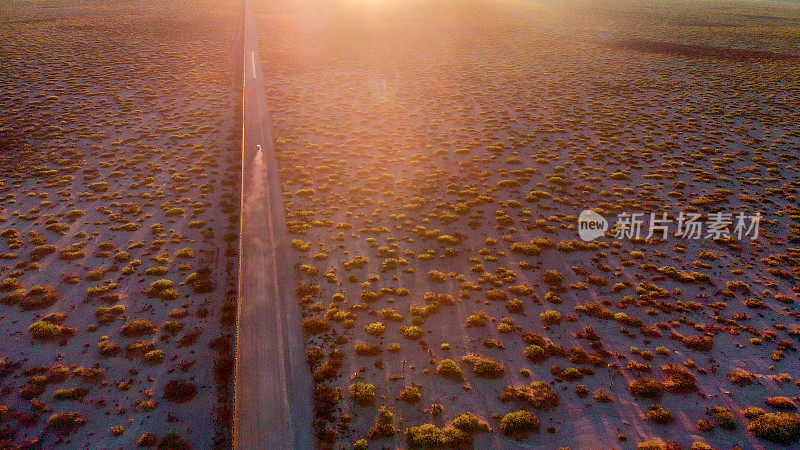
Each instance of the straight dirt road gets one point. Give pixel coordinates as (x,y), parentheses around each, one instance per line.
(273,405)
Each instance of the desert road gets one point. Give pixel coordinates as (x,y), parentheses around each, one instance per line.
(273,401)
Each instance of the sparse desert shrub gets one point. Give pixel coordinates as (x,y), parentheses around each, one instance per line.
(154,356)
(485,367)
(752,412)
(437,276)
(163,289)
(660,415)
(470,423)
(479,319)
(108,349)
(106,315)
(185,252)
(529,249)
(75,393)
(515,306)
(781,403)
(10,284)
(679,378)
(431,436)
(179,391)
(157,271)
(172,326)
(410,394)
(741,377)
(138,328)
(200,281)
(375,329)
(450,369)
(535,353)
(300,245)
(552,277)
(40,297)
(66,421)
(75,214)
(725,417)
(411,333)
(40,251)
(122,256)
(699,343)
(569,374)
(537,395)
(602,396)
(783,428)
(46,331)
(705,425)
(148,440)
(383,426)
(519,424)
(174,441)
(631,321)
(497,295)
(315,325)
(657,444)
(550,317)
(646,388)
(363,393)
(364,349)
(174,212)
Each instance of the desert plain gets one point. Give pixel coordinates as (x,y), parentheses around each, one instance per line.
(433,158)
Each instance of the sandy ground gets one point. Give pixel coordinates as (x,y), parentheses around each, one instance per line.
(410,137)
(118,154)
